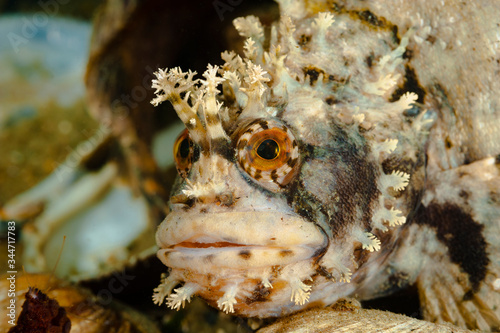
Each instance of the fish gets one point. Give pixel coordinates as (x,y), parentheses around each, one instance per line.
(341,155)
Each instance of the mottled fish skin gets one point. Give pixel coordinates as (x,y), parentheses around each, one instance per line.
(323,166)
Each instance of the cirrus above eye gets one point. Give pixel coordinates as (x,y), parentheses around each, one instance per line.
(183,153)
(268,152)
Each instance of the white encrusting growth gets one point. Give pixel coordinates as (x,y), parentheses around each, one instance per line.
(262,275)
(332,262)
(287,29)
(295,275)
(392,216)
(386,77)
(210,104)
(178,299)
(210,183)
(170,85)
(266,283)
(372,243)
(384,85)
(387,146)
(228,300)
(197,189)
(165,288)
(368,240)
(300,291)
(359,118)
(403,103)
(171,82)
(398,180)
(255,81)
(249,27)
(321,24)
(345,275)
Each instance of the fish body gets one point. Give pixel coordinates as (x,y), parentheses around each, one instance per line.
(317,166)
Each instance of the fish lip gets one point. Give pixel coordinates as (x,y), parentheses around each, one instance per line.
(201,241)
(239,229)
(203,244)
(245,257)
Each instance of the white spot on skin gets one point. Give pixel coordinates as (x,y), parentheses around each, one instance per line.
(496,284)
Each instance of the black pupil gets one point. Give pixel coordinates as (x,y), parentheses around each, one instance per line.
(184,148)
(268,149)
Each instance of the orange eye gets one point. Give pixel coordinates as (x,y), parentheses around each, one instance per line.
(268,152)
(183,153)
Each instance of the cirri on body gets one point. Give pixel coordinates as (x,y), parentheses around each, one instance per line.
(350,151)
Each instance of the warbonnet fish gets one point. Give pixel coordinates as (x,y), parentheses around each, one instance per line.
(311,170)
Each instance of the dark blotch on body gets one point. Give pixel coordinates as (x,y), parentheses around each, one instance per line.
(304,40)
(372,19)
(223,147)
(369,60)
(245,254)
(462,235)
(367,17)
(303,202)
(313,73)
(259,294)
(354,177)
(410,84)
(331,100)
(274,175)
(291,162)
(448,142)
(463,194)
(174,99)
(264,124)
(188,203)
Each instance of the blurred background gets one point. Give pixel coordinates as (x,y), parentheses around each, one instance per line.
(86,161)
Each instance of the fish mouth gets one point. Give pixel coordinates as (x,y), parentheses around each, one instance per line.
(237,240)
(202,245)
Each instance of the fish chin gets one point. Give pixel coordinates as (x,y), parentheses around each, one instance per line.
(265,291)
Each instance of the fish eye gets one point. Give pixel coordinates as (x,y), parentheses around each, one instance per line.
(268,149)
(183,153)
(268,152)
